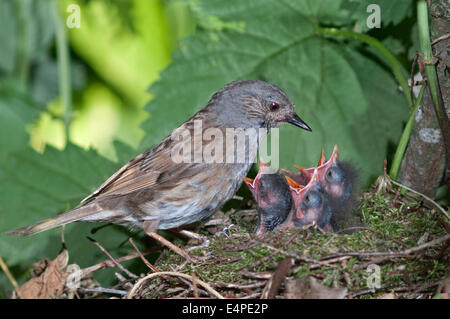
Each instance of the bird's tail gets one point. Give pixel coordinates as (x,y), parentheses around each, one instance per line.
(76,214)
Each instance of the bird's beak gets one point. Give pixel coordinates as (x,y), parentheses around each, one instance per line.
(335,156)
(297,121)
(293,184)
(248,181)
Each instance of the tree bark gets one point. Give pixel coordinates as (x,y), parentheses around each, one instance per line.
(424,161)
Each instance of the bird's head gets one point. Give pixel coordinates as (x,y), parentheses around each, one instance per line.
(311,202)
(259,103)
(273,198)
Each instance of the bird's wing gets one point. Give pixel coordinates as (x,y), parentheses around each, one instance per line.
(153,168)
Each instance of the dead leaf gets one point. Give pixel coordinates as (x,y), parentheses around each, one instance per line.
(50,280)
(310,288)
(445,292)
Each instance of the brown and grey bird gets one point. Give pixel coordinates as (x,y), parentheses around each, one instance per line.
(273,198)
(156,190)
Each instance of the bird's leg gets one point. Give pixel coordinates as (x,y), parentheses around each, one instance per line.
(170,245)
(150,231)
(203,239)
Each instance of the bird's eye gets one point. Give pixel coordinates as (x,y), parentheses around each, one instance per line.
(307,199)
(274,107)
(334,175)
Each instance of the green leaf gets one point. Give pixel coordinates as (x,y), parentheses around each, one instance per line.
(36,186)
(333,91)
(16,112)
(8,36)
(391,11)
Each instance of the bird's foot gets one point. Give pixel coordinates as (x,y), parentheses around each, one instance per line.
(204,240)
(225,231)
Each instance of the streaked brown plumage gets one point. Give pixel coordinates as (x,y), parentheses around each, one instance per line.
(154,192)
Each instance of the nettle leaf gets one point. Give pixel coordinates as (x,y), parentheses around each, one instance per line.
(36,186)
(390,11)
(344,96)
(16,112)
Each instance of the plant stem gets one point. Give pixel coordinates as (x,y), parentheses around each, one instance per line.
(62,49)
(23,50)
(430,70)
(401,148)
(395,64)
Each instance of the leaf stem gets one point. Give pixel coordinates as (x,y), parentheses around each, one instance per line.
(395,64)
(23,50)
(401,148)
(62,49)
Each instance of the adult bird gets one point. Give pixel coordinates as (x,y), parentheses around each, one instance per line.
(161,189)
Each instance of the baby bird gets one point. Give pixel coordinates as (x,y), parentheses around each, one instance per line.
(337,179)
(273,198)
(311,202)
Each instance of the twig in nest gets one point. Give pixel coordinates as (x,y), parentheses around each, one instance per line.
(237,286)
(424,196)
(149,265)
(374,230)
(274,283)
(123,281)
(108,263)
(393,254)
(104,290)
(329,262)
(297,256)
(347,277)
(194,284)
(444,224)
(129,273)
(256,275)
(141,281)
(444,37)
(252,296)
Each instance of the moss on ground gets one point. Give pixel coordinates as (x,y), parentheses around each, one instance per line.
(391,222)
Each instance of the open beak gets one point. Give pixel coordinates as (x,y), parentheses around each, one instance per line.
(248,181)
(300,213)
(264,168)
(335,156)
(322,165)
(297,121)
(323,158)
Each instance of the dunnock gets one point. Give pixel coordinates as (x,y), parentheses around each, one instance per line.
(153,191)
(272,196)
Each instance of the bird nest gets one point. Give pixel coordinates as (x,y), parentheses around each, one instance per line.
(399,250)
